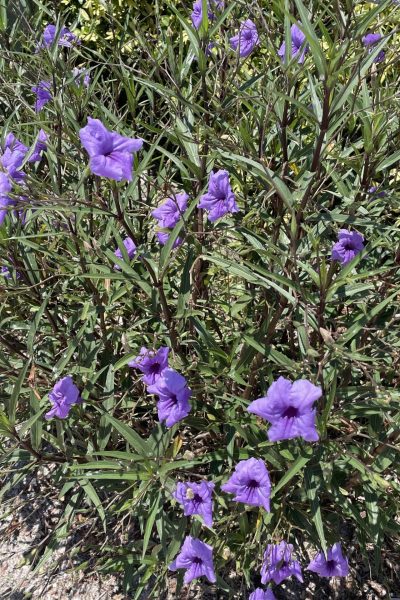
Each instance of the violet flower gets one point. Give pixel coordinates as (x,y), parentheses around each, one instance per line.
(151,363)
(130,248)
(163,238)
(14,144)
(63,395)
(196,499)
(168,215)
(298,39)
(5,200)
(278,564)
(174,394)
(219,200)
(260,594)
(334,565)
(43,95)
(40,146)
(111,154)
(370,40)
(289,408)
(65,37)
(374,191)
(349,244)
(171,211)
(246,40)
(81,76)
(250,483)
(197,13)
(5,272)
(196,557)
(11,161)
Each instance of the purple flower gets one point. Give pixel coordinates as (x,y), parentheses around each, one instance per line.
(65,37)
(278,564)
(40,147)
(349,244)
(219,199)
(369,41)
(5,200)
(151,363)
(14,144)
(81,76)
(111,154)
(130,247)
(63,395)
(196,499)
(246,40)
(168,215)
(260,594)
(196,557)
(289,408)
(374,191)
(43,95)
(11,161)
(170,212)
(334,565)
(163,238)
(174,394)
(298,39)
(5,272)
(197,14)
(250,483)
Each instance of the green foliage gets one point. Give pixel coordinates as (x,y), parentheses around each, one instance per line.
(241,302)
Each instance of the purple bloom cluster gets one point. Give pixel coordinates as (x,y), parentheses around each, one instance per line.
(166,383)
(278,564)
(63,395)
(12,157)
(169,214)
(349,244)
(289,407)
(219,200)
(111,154)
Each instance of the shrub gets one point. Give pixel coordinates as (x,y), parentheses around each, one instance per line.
(284,281)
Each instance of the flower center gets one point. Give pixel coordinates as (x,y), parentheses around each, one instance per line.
(253,484)
(155,368)
(173,399)
(331,564)
(197,560)
(290,412)
(348,245)
(197,498)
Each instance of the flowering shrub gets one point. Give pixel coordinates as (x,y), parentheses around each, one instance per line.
(200,258)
